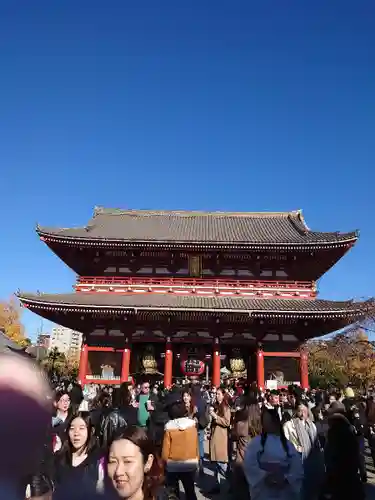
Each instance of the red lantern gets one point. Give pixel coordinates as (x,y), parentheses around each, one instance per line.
(191,364)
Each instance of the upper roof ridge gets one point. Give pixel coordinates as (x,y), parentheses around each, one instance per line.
(263,230)
(98,210)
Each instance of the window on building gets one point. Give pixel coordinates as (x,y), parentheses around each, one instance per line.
(228,272)
(145,270)
(162,270)
(280,273)
(124,270)
(244,272)
(110,269)
(266,273)
(183,271)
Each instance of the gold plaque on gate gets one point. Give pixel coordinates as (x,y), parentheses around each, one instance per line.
(195,266)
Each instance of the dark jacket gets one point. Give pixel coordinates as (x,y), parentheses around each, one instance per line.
(98,415)
(76,397)
(118,418)
(158,418)
(85,475)
(342,458)
(202,415)
(44,469)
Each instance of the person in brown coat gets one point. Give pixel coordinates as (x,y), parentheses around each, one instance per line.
(220,424)
(247,424)
(180,450)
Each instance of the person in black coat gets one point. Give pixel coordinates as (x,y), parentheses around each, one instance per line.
(159,417)
(342,458)
(358,421)
(76,396)
(101,407)
(122,415)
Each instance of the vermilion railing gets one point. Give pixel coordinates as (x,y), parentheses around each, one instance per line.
(194,282)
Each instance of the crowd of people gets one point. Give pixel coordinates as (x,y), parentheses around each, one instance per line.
(140,442)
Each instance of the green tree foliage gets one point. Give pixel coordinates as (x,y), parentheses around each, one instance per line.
(59,364)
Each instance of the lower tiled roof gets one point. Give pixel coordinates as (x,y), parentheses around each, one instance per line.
(8,346)
(148,301)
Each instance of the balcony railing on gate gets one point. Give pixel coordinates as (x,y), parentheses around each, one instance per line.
(195,285)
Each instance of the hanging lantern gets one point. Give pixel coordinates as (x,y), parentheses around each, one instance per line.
(149,362)
(237,364)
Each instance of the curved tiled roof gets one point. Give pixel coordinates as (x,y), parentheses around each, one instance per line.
(188,227)
(8,346)
(156,302)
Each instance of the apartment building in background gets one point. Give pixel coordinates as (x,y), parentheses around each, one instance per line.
(43,340)
(65,340)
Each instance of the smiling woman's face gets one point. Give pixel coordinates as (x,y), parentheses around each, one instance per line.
(126,468)
(186,398)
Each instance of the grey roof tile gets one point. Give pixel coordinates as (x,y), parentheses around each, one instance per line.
(189,302)
(8,346)
(198,227)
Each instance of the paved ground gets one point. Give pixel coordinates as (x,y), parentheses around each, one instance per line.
(207,481)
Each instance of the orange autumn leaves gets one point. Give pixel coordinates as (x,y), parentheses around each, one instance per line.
(347,358)
(10,321)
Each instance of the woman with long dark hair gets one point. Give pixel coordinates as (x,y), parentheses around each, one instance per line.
(342,458)
(80,460)
(247,425)
(133,469)
(272,464)
(221,417)
(100,408)
(189,403)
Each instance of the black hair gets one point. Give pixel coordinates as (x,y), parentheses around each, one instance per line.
(121,396)
(101,400)
(273,414)
(140,438)
(66,452)
(177,410)
(250,396)
(57,396)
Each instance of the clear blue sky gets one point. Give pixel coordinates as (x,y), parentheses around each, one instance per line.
(196,104)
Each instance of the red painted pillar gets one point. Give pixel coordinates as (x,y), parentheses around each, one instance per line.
(168,364)
(260,369)
(125,365)
(83,360)
(216,364)
(304,370)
